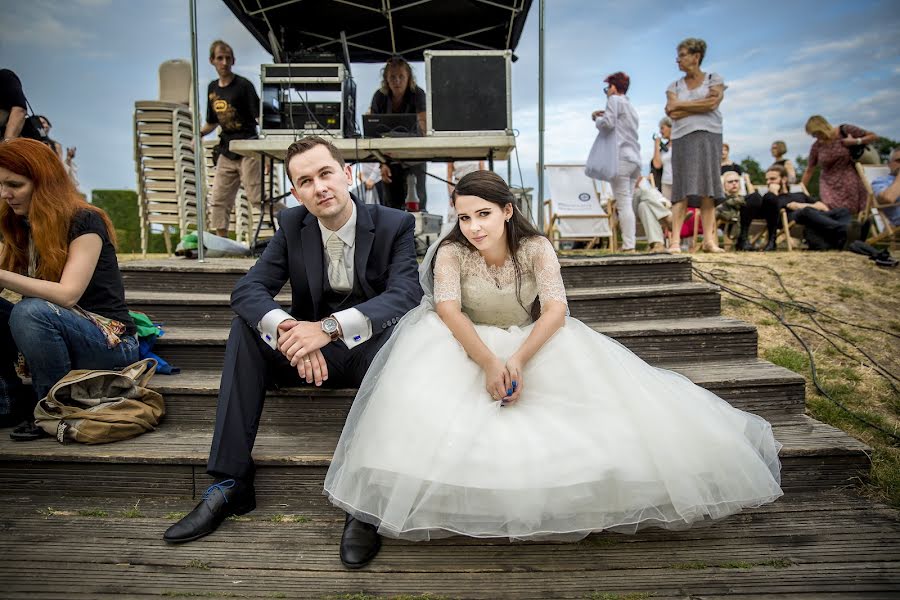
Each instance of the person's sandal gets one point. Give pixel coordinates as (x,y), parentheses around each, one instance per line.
(27,431)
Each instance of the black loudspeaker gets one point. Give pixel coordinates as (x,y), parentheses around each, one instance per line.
(468,92)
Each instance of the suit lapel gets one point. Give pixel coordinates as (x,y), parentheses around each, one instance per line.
(313,258)
(365,236)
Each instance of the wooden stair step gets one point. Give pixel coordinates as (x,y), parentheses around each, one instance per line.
(605,304)
(831,544)
(171,461)
(220,274)
(701,339)
(754,385)
(648,301)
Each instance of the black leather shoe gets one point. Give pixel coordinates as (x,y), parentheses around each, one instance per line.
(770,244)
(27,431)
(744,245)
(221,500)
(359,544)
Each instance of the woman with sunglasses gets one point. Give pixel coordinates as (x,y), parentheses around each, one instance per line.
(621,117)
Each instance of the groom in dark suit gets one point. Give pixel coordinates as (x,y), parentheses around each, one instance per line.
(353,275)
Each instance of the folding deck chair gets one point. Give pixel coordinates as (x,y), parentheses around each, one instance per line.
(882,231)
(580,208)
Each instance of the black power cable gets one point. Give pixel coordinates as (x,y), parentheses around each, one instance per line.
(716,276)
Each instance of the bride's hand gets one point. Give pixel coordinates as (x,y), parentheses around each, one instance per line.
(496,379)
(514,368)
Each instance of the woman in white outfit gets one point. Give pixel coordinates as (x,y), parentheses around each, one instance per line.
(518,421)
(621,116)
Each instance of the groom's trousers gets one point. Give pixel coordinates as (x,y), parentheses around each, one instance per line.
(250,368)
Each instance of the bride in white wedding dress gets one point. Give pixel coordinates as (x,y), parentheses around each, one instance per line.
(477,420)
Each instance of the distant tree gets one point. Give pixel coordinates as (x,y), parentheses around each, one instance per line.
(752,168)
(884,146)
(813,186)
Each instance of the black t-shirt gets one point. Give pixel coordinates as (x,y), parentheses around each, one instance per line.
(105,294)
(11,95)
(413,102)
(732,167)
(235,109)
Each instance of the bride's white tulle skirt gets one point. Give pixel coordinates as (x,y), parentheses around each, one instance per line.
(599,440)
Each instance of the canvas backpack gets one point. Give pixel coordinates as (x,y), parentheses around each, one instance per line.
(96,407)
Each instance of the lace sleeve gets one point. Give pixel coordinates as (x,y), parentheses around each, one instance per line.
(546,271)
(447,273)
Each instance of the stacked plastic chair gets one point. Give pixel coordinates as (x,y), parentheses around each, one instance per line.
(166,175)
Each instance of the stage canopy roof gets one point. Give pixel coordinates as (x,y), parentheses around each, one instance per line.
(375,30)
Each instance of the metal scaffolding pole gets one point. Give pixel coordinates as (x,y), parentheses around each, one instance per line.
(200,182)
(540,194)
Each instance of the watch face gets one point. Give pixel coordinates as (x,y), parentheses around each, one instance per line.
(329,325)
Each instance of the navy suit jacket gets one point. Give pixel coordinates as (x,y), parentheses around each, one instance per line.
(384,266)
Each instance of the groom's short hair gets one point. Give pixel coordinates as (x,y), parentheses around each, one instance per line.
(308,143)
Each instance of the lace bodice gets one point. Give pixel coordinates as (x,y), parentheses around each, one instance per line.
(488,294)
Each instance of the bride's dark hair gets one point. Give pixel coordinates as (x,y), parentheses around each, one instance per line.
(489,186)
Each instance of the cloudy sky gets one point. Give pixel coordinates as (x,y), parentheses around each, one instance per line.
(85,62)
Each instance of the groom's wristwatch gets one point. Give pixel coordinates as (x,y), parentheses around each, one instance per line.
(331,326)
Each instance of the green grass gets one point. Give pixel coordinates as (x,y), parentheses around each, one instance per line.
(613,596)
(175,515)
(845,292)
(239,519)
(92,512)
(279,518)
(688,566)
(362,596)
(787,357)
(176,594)
(197,564)
(594,540)
(133,512)
(777,563)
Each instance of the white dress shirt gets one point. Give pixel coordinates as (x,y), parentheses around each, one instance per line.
(356,328)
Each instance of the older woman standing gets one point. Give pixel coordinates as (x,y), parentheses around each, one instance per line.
(839,184)
(621,116)
(693,105)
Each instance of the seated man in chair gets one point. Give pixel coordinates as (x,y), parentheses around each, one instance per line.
(768,205)
(732,208)
(825,228)
(887,188)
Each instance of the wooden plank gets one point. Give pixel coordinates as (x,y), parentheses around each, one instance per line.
(121,579)
(672,341)
(814,456)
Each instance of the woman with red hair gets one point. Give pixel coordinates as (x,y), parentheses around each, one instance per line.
(59,254)
(621,117)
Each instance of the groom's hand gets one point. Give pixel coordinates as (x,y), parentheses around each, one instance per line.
(312,368)
(296,339)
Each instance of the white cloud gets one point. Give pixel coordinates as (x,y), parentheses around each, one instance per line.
(44,31)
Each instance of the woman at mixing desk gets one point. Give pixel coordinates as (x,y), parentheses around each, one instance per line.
(400,94)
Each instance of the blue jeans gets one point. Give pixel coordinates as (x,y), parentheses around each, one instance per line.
(53,340)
